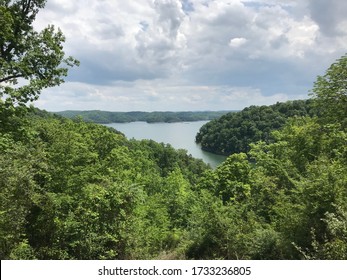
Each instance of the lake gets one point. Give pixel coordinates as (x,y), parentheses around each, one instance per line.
(180,135)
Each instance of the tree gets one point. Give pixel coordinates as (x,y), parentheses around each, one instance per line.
(29,60)
(235,131)
(330,92)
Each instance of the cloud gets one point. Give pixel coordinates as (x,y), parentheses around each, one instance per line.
(157,95)
(237,42)
(330,16)
(172,54)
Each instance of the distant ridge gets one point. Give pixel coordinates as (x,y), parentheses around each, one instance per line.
(104,117)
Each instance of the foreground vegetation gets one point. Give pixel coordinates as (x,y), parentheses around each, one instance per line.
(149,117)
(76,190)
(72,190)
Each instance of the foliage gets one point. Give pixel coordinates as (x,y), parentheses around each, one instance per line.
(294,186)
(29,60)
(234,132)
(289,192)
(83,191)
(330,92)
(150,117)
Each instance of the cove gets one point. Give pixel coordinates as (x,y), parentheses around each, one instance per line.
(180,135)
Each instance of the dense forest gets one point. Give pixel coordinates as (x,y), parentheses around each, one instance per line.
(149,117)
(234,132)
(76,190)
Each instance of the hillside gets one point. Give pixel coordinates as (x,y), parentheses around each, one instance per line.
(234,132)
(83,191)
(80,190)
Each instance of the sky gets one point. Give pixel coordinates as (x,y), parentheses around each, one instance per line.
(192,55)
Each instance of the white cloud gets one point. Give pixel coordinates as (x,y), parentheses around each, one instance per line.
(192,54)
(237,42)
(157,95)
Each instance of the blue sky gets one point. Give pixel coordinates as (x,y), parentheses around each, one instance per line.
(178,55)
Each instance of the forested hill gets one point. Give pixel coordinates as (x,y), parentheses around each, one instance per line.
(233,132)
(77,190)
(150,117)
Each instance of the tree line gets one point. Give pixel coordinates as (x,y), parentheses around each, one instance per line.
(135,116)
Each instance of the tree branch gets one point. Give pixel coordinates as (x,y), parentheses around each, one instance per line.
(26,7)
(11,77)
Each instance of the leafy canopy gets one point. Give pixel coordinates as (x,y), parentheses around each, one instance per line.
(29,60)
(330,92)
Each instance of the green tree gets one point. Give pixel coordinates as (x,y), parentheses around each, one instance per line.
(20,166)
(234,132)
(29,60)
(233,178)
(330,92)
